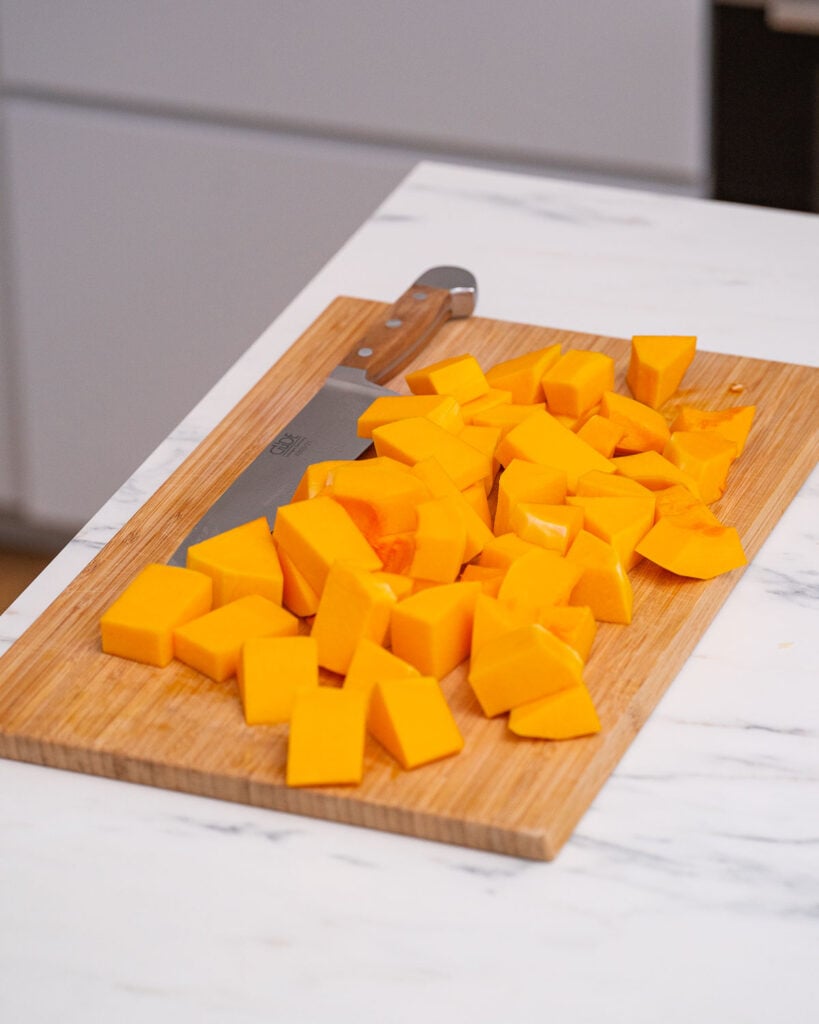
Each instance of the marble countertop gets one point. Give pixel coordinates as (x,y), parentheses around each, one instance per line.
(690,889)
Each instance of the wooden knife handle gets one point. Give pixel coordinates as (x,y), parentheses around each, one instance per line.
(408,326)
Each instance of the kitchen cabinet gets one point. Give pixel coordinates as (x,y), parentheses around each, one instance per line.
(173,173)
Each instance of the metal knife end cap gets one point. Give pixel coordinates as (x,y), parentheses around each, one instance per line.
(460,283)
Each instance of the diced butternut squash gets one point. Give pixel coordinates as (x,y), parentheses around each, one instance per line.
(212,643)
(674,500)
(489,578)
(501,552)
(654,471)
(441,485)
(459,376)
(328,728)
(621,522)
(271,672)
(485,402)
(644,429)
(440,540)
(396,551)
(560,716)
(577,381)
(411,719)
(412,440)
(441,409)
(317,532)
(432,630)
(685,545)
(543,440)
(493,618)
(523,375)
(549,526)
(537,580)
(657,366)
(732,424)
(506,417)
(240,561)
(315,478)
(604,585)
(139,624)
(398,583)
(521,666)
(527,481)
(601,433)
(476,497)
(371,663)
(704,455)
(612,485)
(486,440)
(298,596)
(353,605)
(380,495)
(574,625)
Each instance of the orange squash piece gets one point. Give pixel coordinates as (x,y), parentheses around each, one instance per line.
(612,485)
(503,550)
(328,729)
(298,596)
(353,605)
(271,672)
(687,546)
(380,495)
(733,424)
(213,643)
(482,404)
(240,561)
(577,381)
(654,471)
(601,433)
(560,716)
(441,485)
(371,663)
(139,624)
(523,375)
(537,580)
(674,500)
(396,551)
(521,666)
(459,376)
(441,409)
(440,541)
(549,526)
(315,478)
(415,439)
(527,481)
(604,585)
(411,719)
(644,429)
(621,522)
(432,630)
(657,366)
(492,618)
(543,440)
(505,417)
(704,455)
(489,578)
(317,532)
(575,625)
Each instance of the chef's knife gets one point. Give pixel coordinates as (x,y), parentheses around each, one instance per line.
(326,427)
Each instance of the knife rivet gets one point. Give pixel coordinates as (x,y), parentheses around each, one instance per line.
(365,353)
(420,296)
(394,322)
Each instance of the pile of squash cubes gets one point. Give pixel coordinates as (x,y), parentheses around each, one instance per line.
(497,522)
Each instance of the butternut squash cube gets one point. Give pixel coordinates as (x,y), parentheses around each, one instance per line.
(732,424)
(315,478)
(521,666)
(213,643)
(577,381)
(328,729)
(621,522)
(524,481)
(601,433)
(657,366)
(687,546)
(298,596)
(612,485)
(485,402)
(353,605)
(505,417)
(523,375)
(380,495)
(371,663)
(440,541)
(441,485)
(398,583)
(644,429)
(549,526)
(489,578)
(414,439)
(543,440)
(560,716)
(441,409)
(493,618)
(396,551)
(459,376)
(575,625)
(139,624)
(704,455)
(677,499)
(537,580)
(411,719)
(486,440)
(476,497)
(240,561)
(317,532)
(501,552)
(654,471)
(604,585)
(272,671)
(432,630)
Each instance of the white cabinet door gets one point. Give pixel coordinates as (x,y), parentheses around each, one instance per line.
(147,255)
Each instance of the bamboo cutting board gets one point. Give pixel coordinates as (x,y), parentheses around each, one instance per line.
(63,703)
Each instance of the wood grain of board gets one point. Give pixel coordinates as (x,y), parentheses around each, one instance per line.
(63,703)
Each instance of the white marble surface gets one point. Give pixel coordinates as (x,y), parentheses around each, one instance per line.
(690,890)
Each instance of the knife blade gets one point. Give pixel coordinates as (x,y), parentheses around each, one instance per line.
(326,427)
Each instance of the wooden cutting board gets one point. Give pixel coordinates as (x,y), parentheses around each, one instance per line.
(64,703)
